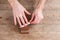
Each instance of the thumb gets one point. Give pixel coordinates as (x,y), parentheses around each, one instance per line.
(32,18)
(27,12)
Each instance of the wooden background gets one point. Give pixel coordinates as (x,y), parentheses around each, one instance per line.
(48,29)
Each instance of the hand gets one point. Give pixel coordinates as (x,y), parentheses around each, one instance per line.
(37,16)
(19,15)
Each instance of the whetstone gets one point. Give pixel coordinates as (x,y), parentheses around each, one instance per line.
(24,30)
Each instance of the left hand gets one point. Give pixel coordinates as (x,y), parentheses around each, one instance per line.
(37,16)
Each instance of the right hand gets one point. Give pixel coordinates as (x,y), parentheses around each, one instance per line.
(37,16)
(19,15)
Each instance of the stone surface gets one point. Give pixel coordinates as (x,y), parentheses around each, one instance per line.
(48,29)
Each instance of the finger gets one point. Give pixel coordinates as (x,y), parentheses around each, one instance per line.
(22,20)
(26,19)
(32,18)
(20,23)
(27,12)
(35,21)
(15,21)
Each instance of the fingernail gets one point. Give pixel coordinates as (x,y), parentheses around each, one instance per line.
(22,26)
(27,24)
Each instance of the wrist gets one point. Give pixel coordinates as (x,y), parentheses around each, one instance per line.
(39,7)
(12,2)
